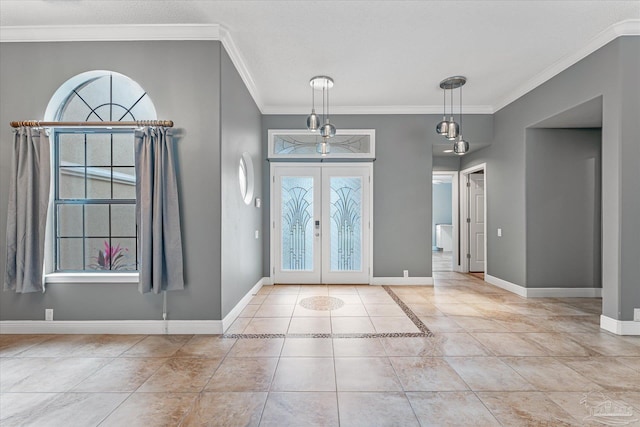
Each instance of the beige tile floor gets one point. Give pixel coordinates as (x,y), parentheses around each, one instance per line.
(495,359)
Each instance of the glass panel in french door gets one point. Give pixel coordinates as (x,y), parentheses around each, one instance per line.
(297,223)
(346,223)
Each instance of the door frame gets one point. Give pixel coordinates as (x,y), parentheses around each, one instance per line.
(464,213)
(455,218)
(273,245)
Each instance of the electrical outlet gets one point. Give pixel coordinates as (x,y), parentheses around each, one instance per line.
(636,314)
(405,273)
(48,314)
(499,232)
(257,234)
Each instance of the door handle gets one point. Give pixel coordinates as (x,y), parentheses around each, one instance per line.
(317,223)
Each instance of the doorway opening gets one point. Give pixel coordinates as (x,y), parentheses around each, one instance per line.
(444,221)
(473,206)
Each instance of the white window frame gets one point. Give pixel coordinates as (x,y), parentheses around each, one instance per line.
(51,114)
(50,275)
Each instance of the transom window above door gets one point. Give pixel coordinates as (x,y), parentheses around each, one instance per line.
(301,144)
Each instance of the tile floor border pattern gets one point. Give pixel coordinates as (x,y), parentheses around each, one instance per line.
(410,314)
(424,331)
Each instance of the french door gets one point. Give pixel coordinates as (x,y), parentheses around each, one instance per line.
(321,223)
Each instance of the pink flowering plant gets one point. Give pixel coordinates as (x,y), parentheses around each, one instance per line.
(111,258)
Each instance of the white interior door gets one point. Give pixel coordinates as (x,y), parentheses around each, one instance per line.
(476,222)
(321,223)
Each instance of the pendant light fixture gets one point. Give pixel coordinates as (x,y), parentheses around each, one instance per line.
(313,121)
(450,129)
(460,147)
(323,148)
(443,127)
(327,129)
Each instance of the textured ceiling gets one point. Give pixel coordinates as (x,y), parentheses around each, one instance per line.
(384,56)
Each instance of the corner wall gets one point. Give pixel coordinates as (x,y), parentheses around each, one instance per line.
(611,72)
(240,132)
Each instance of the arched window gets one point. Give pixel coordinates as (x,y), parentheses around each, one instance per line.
(94,182)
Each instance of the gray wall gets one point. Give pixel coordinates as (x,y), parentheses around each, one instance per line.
(442,195)
(563,199)
(401,184)
(446,163)
(241,132)
(610,72)
(183,80)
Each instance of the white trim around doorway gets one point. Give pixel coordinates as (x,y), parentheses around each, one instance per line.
(464,195)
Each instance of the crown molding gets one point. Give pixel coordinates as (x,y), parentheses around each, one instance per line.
(381,109)
(630,27)
(60,33)
(241,66)
(64,33)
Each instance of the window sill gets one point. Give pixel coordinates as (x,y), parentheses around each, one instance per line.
(91,278)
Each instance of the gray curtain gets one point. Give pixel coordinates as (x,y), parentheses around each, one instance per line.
(27,212)
(157,213)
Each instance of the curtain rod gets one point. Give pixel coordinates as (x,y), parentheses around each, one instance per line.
(137,123)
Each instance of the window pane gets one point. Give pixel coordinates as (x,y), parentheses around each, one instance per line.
(119,255)
(70,254)
(98,183)
(75,109)
(97,253)
(99,149)
(124,183)
(123,149)
(123,220)
(96,220)
(297,224)
(125,254)
(71,149)
(69,220)
(71,183)
(346,224)
(93,93)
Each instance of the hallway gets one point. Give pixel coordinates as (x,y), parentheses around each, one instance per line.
(359,357)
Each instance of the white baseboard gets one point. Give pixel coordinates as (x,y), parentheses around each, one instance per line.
(619,327)
(564,292)
(543,292)
(402,281)
(235,312)
(145,327)
(507,286)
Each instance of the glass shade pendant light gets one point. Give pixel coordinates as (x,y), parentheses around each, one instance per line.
(323,148)
(327,129)
(450,129)
(460,147)
(313,121)
(443,127)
